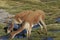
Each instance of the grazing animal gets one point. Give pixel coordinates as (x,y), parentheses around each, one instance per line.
(28,19)
(17,19)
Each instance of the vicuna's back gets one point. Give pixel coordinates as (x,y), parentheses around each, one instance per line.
(35,16)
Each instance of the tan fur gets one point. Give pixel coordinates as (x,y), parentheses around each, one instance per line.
(22,15)
(18,18)
(30,18)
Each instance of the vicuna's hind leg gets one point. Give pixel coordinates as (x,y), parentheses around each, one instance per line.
(44,25)
(41,28)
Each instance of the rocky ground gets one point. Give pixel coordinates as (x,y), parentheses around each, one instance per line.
(3,15)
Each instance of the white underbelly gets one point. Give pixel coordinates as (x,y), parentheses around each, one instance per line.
(27,26)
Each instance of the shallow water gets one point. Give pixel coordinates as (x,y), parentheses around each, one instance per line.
(48,38)
(58,19)
(6,37)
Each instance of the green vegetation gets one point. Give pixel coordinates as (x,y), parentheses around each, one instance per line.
(51,8)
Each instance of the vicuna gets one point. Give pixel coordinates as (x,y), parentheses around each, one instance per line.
(28,18)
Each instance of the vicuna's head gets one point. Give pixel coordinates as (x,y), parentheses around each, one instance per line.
(8,19)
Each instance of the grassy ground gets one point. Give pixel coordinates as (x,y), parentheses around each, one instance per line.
(36,36)
(51,8)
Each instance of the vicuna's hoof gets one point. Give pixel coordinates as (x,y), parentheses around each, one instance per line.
(8,31)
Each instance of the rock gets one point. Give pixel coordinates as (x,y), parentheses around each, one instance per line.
(58,20)
(3,15)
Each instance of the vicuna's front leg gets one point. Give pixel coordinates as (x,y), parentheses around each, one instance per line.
(28,28)
(24,26)
(13,33)
(29,33)
(10,28)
